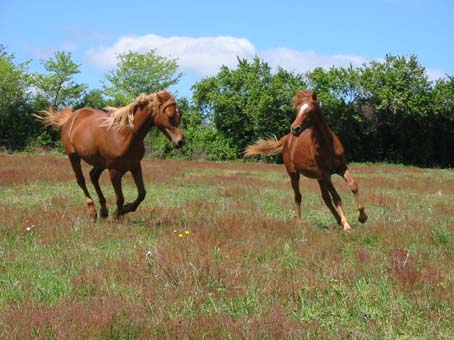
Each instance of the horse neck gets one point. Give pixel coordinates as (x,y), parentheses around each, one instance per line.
(142,124)
(322,131)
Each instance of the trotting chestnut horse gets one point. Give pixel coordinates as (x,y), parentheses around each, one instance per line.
(313,150)
(113,140)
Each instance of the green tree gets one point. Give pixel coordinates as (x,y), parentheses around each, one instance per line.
(248,102)
(93,98)
(138,73)
(16,124)
(204,140)
(443,98)
(398,86)
(58,86)
(381,111)
(443,121)
(399,94)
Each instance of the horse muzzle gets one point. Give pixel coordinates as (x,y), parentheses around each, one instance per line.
(178,144)
(296,130)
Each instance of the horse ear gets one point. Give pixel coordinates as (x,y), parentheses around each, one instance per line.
(314,96)
(297,99)
(162,95)
(142,101)
(159,96)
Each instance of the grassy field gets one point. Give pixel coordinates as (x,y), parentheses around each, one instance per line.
(214,253)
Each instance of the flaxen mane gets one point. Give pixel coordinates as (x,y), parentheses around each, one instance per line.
(124,116)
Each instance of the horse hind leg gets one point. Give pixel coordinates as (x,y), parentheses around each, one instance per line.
(338,203)
(138,180)
(75,163)
(328,200)
(95,173)
(115,178)
(354,189)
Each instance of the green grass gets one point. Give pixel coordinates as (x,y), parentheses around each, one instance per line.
(246,270)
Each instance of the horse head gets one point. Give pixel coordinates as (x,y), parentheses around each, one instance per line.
(307,107)
(168,120)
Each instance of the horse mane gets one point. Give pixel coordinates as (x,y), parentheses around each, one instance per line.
(303,96)
(124,116)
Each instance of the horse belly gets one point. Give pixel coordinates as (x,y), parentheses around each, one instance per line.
(85,146)
(311,172)
(91,157)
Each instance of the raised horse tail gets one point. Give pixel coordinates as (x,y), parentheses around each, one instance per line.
(53,118)
(271,146)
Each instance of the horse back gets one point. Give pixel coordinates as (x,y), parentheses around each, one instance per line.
(81,130)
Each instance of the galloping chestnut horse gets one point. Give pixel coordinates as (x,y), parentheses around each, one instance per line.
(113,140)
(313,150)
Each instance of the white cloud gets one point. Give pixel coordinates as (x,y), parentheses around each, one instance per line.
(302,61)
(202,55)
(435,74)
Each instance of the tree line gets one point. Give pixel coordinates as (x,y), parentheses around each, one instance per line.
(385,110)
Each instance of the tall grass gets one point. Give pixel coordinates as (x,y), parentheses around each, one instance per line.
(214,253)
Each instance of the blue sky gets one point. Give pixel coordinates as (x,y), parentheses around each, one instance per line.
(297,35)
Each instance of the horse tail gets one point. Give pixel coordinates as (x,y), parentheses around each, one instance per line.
(53,118)
(271,146)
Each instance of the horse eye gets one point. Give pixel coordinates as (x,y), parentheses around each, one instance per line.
(172,120)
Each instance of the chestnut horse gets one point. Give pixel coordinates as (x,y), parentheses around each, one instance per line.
(313,150)
(113,140)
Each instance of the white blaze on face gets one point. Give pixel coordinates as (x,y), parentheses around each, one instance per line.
(302,108)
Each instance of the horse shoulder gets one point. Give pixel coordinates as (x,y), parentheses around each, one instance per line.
(337,145)
(302,154)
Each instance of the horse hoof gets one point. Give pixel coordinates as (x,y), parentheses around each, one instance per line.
(347,227)
(362,218)
(129,207)
(103,212)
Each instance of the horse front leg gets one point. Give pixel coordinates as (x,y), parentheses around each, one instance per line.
(115,178)
(354,189)
(75,163)
(138,180)
(295,182)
